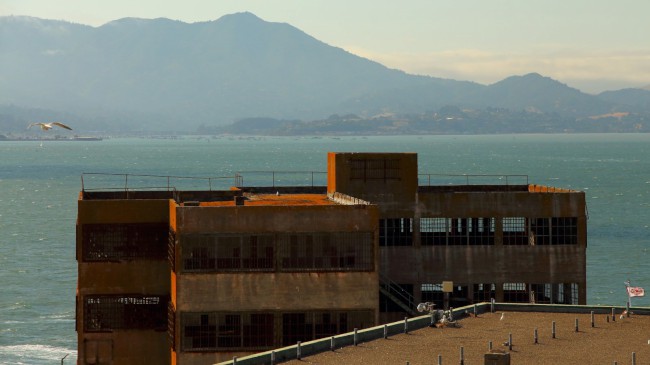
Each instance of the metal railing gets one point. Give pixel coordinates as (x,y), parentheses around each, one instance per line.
(471,179)
(286,178)
(132,182)
(395,290)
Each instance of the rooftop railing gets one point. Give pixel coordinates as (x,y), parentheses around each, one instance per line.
(471,179)
(98,181)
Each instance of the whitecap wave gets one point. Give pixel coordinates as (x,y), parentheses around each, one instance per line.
(31,353)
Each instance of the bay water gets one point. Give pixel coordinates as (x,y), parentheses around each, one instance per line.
(40,183)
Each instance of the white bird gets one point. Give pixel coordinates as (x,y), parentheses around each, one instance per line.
(502,315)
(48,126)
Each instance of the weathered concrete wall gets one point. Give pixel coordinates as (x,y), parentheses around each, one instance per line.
(149,277)
(395,196)
(277,291)
(125,348)
(485,264)
(122,211)
(283,219)
(499,204)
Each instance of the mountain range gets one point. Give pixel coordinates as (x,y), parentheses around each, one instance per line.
(160,74)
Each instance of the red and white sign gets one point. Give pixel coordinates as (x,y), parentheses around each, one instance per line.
(635,291)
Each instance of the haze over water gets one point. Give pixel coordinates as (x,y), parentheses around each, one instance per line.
(39,187)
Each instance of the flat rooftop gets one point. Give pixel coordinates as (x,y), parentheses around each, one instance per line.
(606,343)
(276,200)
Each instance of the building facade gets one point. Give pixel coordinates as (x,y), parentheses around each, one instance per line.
(197,277)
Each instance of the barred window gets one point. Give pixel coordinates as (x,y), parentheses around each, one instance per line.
(227,252)
(515,293)
(396,232)
(116,242)
(565,230)
(327,251)
(515,231)
(484,292)
(433,293)
(554,231)
(433,231)
(215,331)
(542,293)
(306,326)
(480,231)
(375,169)
(114,312)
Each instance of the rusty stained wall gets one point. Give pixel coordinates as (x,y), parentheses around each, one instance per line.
(124,347)
(277,291)
(281,219)
(136,277)
(294,291)
(501,204)
(497,263)
(485,264)
(395,197)
(253,291)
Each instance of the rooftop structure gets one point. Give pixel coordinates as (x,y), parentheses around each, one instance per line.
(197,276)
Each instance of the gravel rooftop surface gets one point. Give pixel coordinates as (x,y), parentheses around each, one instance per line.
(605,343)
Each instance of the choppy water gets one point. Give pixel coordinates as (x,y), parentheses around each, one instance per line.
(39,188)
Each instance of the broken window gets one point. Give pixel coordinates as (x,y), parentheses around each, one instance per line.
(433,231)
(433,293)
(396,232)
(214,331)
(117,242)
(326,251)
(515,293)
(227,252)
(114,312)
(515,231)
(484,292)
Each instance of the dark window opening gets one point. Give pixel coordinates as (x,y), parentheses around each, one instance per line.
(327,251)
(565,230)
(227,252)
(117,242)
(515,293)
(484,292)
(108,313)
(433,293)
(396,232)
(434,231)
(515,231)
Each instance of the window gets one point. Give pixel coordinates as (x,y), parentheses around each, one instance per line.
(433,231)
(214,331)
(480,231)
(227,252)
(515,293)
(433,293)
(326,251)
(564,230)
(554,231)
(306,326)
(555,293)
(396,232)
(514,231)
(108,313)
(117,242)
(484,292)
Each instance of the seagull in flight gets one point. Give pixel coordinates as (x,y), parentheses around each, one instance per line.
(48,126)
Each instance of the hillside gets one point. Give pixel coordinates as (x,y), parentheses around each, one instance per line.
(159,74)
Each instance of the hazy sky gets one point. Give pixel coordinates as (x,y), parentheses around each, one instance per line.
(592,45)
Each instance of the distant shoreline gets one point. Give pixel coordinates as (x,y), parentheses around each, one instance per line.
(51,139)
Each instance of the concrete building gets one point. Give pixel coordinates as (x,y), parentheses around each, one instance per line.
(200,276)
